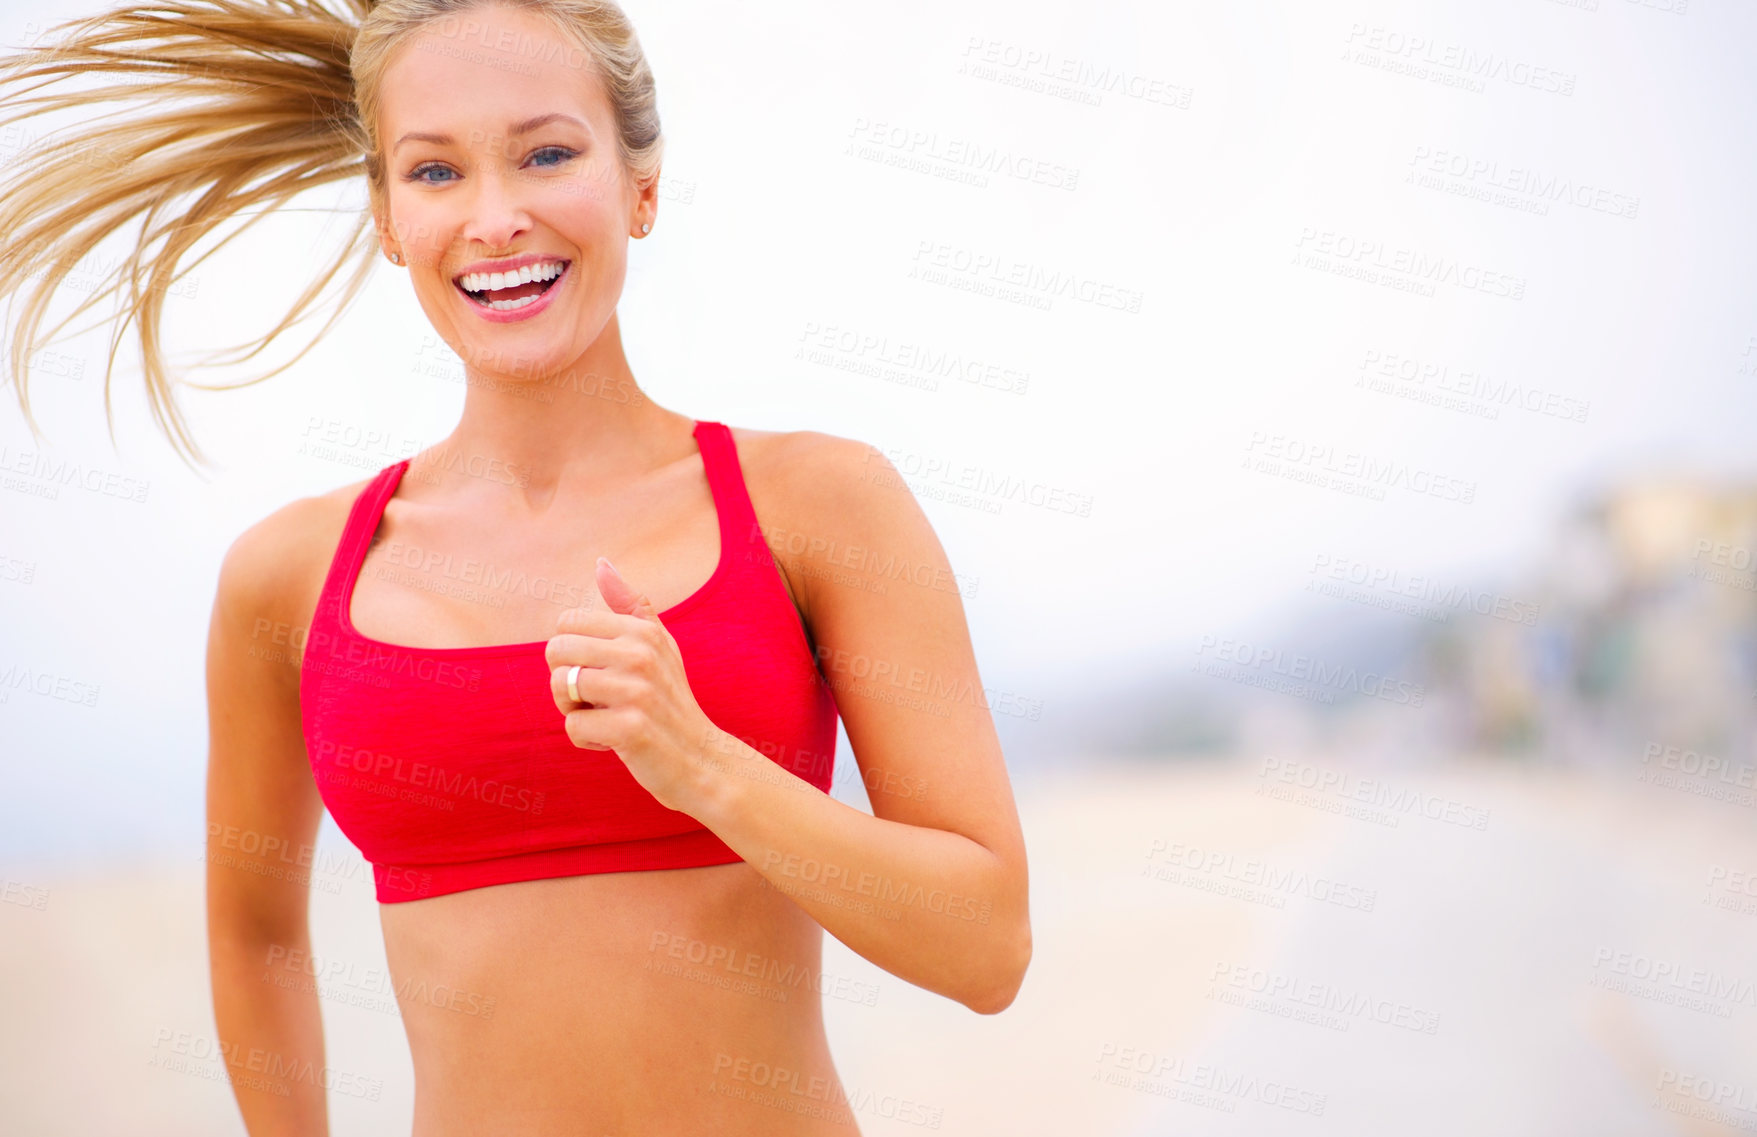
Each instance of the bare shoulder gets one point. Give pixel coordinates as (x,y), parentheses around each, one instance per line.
(274,570)
(812,478)
(835,510)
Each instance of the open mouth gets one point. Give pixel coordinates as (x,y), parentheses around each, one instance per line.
(506,292)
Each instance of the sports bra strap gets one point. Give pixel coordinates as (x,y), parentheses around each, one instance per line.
(726,481)
(363,519)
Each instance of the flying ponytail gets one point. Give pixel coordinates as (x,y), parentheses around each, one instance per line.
(257,108)
(244,106)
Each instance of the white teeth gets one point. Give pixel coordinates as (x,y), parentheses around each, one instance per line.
(491,281)
(509,305)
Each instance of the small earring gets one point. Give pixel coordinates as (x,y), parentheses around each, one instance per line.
(396,259)
(645,228)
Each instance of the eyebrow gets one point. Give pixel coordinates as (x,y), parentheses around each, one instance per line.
(518,128)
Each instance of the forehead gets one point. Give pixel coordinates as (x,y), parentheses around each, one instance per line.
(483,69)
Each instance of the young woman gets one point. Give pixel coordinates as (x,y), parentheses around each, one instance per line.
(569,679)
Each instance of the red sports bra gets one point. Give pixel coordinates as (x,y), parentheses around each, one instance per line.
(449,768)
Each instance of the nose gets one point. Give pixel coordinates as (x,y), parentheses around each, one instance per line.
(496,214)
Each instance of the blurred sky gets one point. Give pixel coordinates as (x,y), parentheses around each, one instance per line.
(813,162)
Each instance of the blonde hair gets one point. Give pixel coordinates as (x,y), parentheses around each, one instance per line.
(280,97)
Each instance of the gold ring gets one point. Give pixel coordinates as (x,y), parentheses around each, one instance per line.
(573,683)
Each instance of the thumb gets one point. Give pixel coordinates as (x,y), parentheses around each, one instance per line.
(619,596)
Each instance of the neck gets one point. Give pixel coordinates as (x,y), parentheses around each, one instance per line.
(529,433)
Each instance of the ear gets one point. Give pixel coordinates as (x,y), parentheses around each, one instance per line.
(646,205)
(387,244)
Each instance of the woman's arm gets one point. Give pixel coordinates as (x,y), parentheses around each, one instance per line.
(932,885)
(262,815)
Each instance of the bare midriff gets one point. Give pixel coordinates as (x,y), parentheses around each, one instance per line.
(673,1001)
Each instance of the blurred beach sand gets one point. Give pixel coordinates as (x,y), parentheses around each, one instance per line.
(1209,957)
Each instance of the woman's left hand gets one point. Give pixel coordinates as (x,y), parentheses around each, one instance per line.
(635,697)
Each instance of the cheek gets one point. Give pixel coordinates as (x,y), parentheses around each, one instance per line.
(601,269)
(587,214)
(418,226)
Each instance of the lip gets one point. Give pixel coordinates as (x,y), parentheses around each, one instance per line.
(495,316)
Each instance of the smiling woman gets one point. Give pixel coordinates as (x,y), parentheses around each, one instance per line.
(600,823)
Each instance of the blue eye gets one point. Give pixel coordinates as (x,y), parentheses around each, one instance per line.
(565,153)
(418,174)
(415,174)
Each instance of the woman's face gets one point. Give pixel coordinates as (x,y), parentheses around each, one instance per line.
(499,144)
